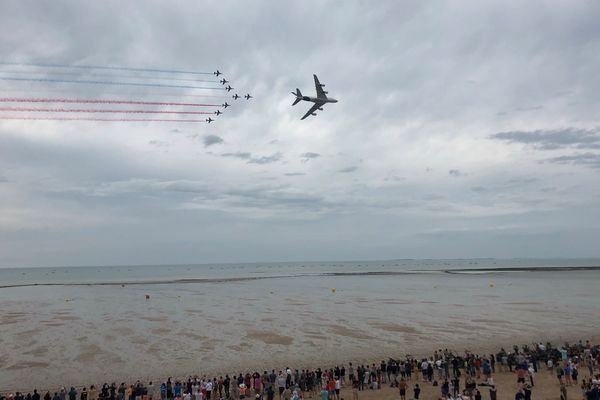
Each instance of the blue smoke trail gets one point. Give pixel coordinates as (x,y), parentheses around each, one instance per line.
(96,75)
(88,82)
(167,71)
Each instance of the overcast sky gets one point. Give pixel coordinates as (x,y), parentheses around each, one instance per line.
(463,129)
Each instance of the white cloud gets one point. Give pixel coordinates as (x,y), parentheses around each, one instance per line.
(486,90)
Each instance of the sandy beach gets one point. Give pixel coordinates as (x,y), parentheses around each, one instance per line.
(81,333)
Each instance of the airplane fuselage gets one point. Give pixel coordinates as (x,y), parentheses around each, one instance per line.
(319,100)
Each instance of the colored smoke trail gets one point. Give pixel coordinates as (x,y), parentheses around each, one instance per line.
(100,101)
(52,90)
(98,119)
(91,82)
(96,110)
(104,67)
(93,75)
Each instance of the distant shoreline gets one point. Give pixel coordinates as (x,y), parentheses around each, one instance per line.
(457,271)
(523,269)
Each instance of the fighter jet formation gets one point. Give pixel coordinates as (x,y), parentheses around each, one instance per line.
(319,101)
(144,109)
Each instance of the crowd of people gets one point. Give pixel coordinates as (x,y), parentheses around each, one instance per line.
(458,376)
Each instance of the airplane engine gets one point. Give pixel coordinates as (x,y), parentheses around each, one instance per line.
(320,108)
(315,114)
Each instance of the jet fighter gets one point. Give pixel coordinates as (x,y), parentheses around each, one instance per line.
(235,96)
(223,81)
(248,97)
(217,73)
(209,120)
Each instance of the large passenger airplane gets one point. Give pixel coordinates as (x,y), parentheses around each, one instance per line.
(319,100)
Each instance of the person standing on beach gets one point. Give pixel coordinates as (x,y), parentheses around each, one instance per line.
(416,391)
(281,383)
(393,371)
(209,388)
(424,365)
(226,386)
(402,386)
(492,392)
(270,393)
(257,382)
(527,392)
(350,373)
(324,394)
(519,395)
(150,390)
(455,386)
(563,391)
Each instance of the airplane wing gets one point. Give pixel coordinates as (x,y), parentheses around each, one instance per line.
(320,91)
(314,108)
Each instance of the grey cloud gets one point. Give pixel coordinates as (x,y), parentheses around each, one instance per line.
(276,196)
(348,170)
(266,159)
(254,160)
(553,139)
(158,143)
(294,174)
(419,114)
(239,154)
(309,156)
(585,159)
(394,178)
(3,179)
(456,172)
(210,140)
(530,108)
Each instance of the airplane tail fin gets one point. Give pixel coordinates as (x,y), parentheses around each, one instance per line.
(298,95)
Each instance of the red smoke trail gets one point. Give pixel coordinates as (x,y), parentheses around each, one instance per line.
(100,101)
(95,82)
(96,110)
(99,119)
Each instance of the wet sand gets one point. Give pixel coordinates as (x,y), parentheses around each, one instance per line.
(74,335)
